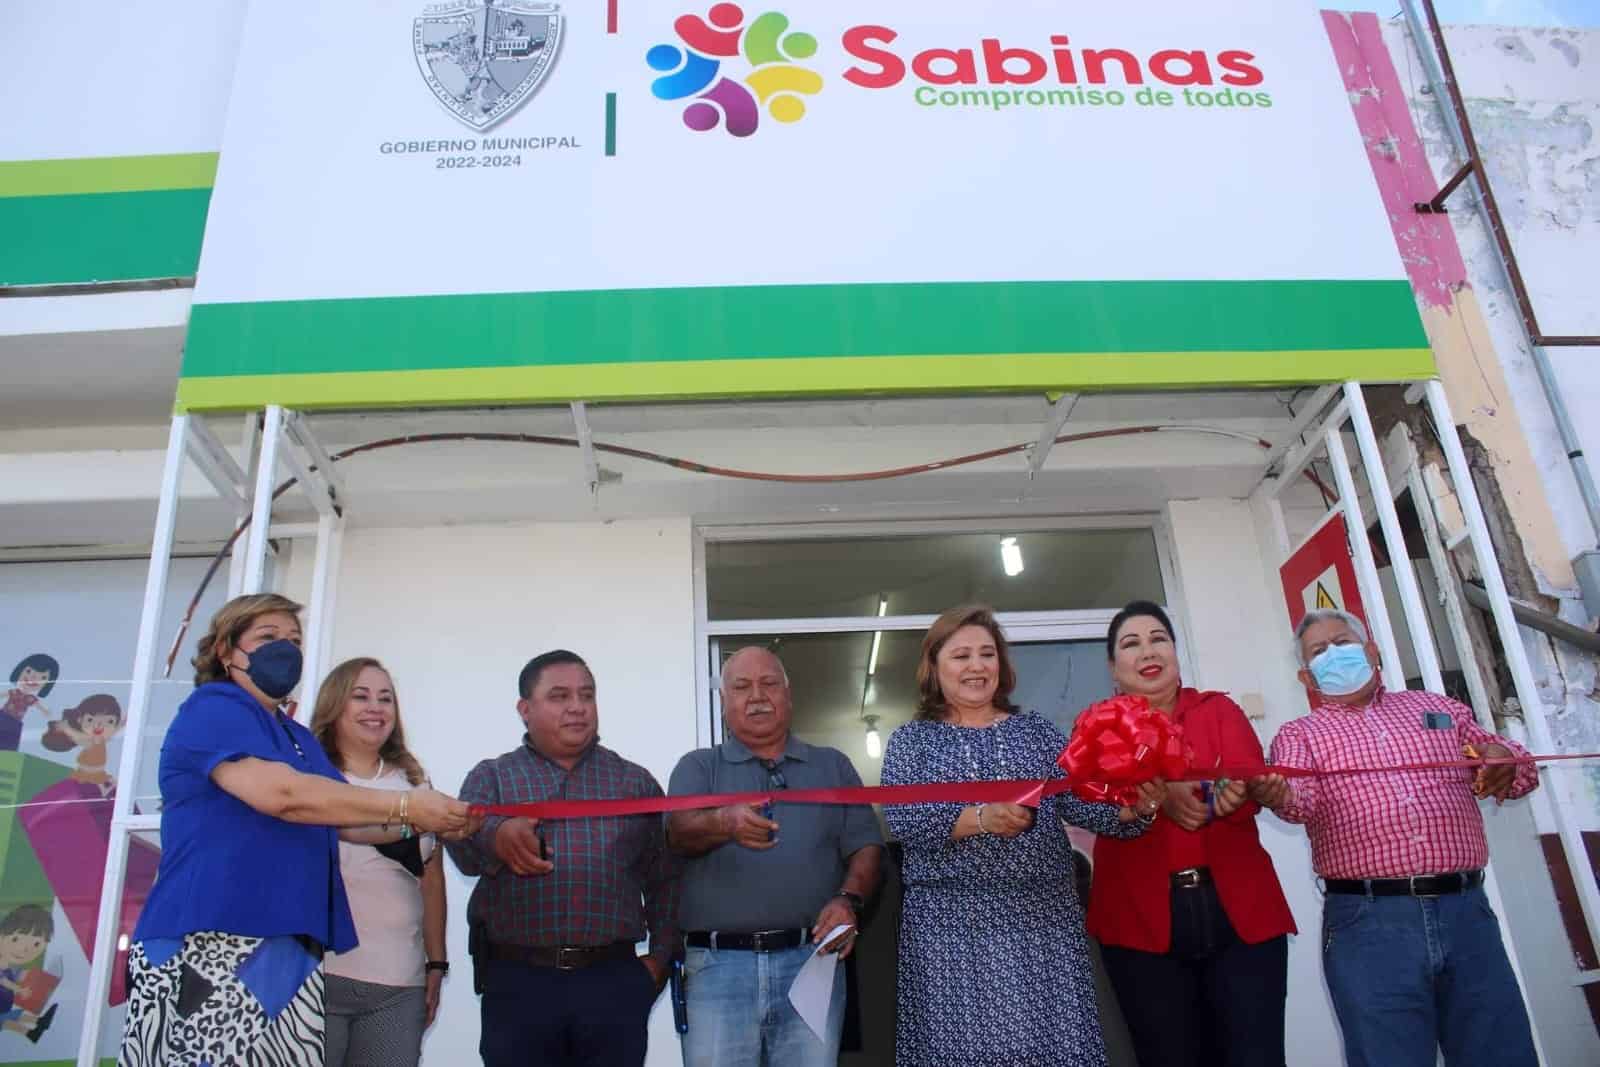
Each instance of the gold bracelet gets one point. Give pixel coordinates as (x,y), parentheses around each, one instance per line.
(389,818)
(404,797)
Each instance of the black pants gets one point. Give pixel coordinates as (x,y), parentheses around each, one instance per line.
(1212,1001)
(543,1017)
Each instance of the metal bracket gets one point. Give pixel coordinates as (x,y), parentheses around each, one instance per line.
(1060,412)
(591,466)
(1436,205)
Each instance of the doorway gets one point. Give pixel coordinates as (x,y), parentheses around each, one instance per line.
(847,614)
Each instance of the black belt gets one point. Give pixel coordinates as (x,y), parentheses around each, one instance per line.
(760,941)
(562,957)
(1191,878)
(1419,885)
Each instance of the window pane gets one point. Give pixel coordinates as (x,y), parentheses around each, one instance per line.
(1062,570)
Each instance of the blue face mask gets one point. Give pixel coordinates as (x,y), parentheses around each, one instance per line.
(1340,670)
(275,667)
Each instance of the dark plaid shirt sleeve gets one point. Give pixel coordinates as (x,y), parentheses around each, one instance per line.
(475,855)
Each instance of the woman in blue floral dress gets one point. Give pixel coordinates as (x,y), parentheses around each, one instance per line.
(994,962)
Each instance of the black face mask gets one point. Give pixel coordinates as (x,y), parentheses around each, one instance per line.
(407,853)
(275,667)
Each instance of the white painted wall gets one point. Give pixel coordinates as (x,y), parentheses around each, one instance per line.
(455,612)
(1237,632)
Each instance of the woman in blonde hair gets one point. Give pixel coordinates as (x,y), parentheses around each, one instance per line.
(383,993)
(226,962)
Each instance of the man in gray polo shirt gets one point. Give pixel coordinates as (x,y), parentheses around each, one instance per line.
(759,891)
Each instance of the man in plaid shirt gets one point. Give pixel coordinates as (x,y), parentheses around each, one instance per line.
(559,907)
(1410,947)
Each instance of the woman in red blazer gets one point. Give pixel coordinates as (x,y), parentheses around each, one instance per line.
(1190,917)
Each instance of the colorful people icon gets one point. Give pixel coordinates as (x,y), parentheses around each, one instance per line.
(31,681)
(90,726)
(25,989)
(775,81)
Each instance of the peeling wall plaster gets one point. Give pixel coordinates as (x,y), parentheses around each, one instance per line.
(1533,96)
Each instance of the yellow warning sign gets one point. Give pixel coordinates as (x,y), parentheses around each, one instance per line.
(1324,591)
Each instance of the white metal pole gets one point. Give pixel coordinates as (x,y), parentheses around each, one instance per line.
(255,561)
(320,611)
(144,663)
(1516,655)
(250,446)
(1366,565)
(1405,576)
(1453,611)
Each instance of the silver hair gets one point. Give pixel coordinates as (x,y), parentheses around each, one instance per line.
(1357,627)
(782,672)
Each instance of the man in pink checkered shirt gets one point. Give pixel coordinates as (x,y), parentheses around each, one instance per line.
(1410,947)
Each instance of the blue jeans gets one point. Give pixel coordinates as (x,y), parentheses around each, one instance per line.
(1410,975)
(740,1015)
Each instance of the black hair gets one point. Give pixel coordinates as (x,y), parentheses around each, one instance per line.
(1136,609)
(554,658)
(39,662)
(29,919)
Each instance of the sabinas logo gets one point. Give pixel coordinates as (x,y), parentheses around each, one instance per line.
(990,73)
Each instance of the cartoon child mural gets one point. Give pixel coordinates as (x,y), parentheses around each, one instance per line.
(23,936)
(89,726)
(31,681)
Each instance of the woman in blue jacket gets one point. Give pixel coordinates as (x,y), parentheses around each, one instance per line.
(226,963)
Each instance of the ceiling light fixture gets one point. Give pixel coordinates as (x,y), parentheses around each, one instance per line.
(877,638)
(874,739)
(1011,556)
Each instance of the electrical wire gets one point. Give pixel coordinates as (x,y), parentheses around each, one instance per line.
(683,465)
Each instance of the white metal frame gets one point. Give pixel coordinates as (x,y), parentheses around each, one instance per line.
(1329,439)
(285,440)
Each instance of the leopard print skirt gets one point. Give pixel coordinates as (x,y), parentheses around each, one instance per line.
(224,1000)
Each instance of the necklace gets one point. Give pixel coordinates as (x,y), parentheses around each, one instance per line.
(991,730)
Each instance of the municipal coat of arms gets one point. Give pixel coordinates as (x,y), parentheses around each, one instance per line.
(483,58)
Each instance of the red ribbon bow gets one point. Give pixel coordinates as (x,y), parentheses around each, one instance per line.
(1117,745)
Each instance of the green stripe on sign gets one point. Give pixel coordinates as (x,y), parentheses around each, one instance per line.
(709,379)
(107,174)
(51,240)
(791,322)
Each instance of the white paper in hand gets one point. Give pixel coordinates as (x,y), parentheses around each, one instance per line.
(812,991)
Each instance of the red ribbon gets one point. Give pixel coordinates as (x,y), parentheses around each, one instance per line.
(1027,792)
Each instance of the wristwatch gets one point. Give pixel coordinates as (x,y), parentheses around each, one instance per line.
(855,901)
(442,966)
